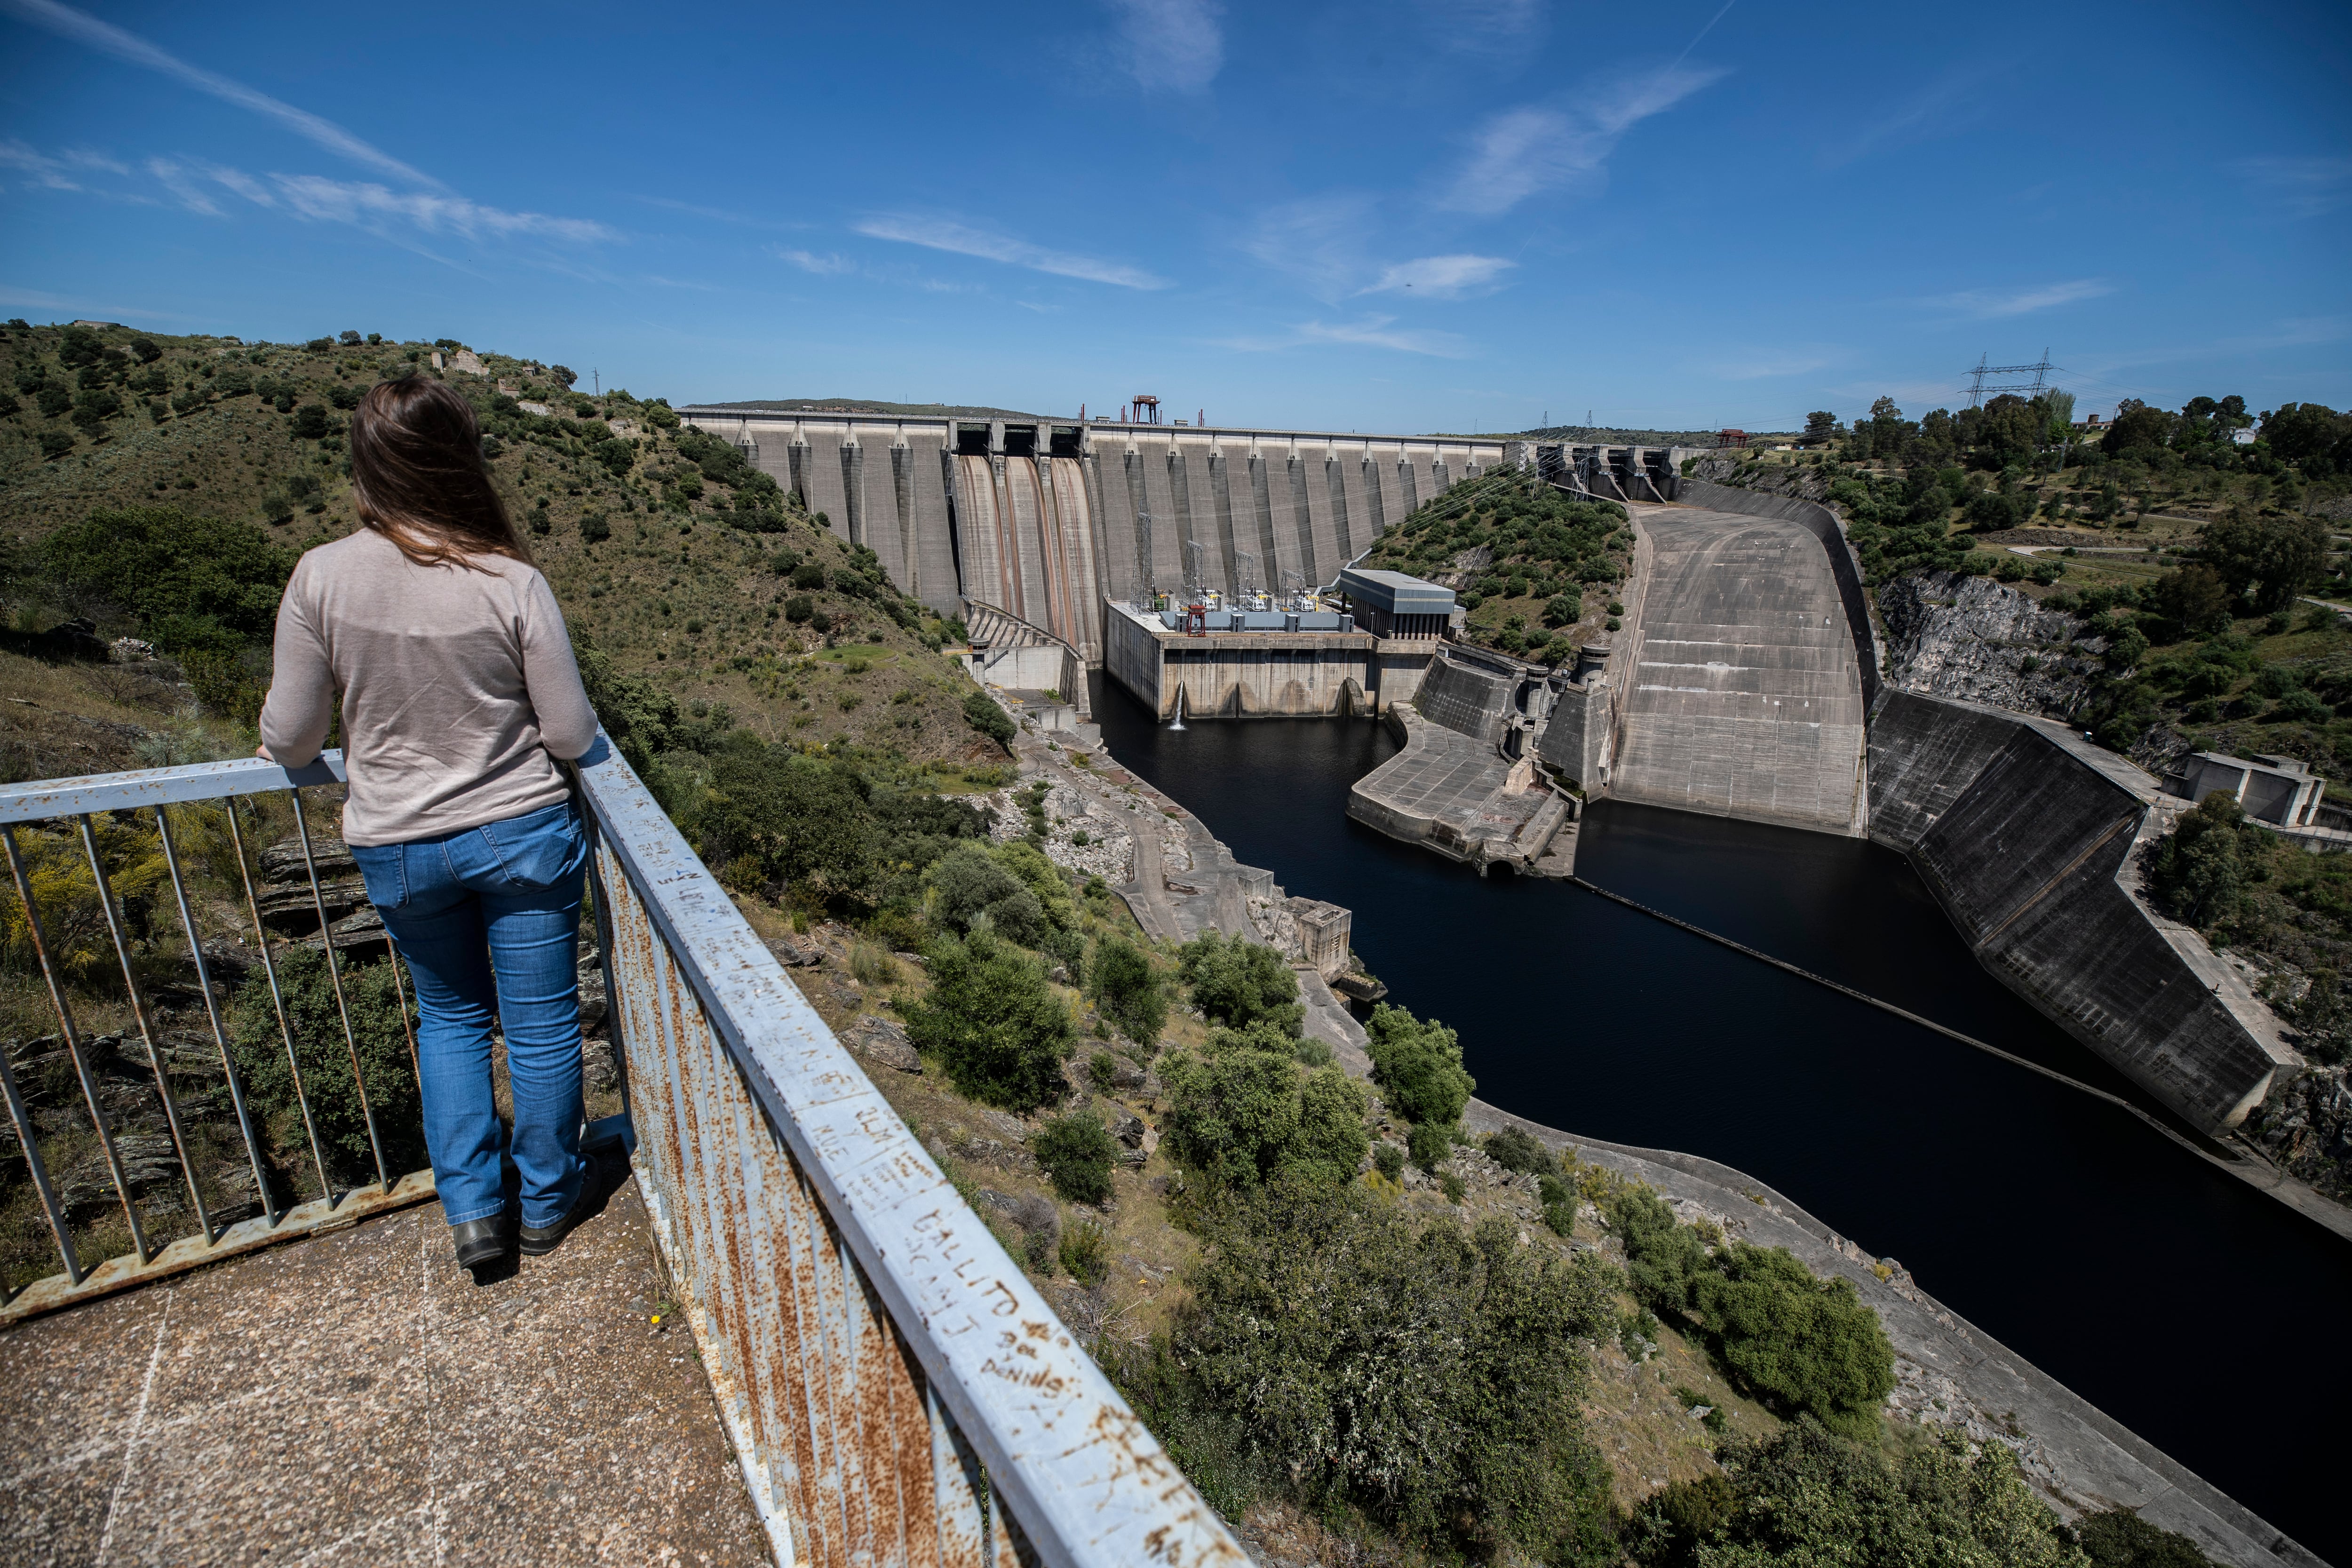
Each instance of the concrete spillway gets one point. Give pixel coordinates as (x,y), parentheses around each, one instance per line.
(1742,695)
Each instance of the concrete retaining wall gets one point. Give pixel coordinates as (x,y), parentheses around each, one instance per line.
(1824,524)
(1466,698)
(2028,835)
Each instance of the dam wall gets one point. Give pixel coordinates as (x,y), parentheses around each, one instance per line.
(1822,524)
(1260,675)
(2029,837)
(1046,518)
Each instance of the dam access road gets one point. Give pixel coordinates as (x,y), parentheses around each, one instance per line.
(1741,696)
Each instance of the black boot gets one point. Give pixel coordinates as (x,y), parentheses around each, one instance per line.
(481,1241)
(608,1167)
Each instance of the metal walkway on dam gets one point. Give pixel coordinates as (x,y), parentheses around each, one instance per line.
(1745,699)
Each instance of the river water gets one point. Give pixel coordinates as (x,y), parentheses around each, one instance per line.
(2208,1318)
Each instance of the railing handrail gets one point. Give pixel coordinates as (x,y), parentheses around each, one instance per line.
(1086,1480)
(43,798)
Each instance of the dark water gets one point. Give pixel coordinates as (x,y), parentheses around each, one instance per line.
(2204,1316)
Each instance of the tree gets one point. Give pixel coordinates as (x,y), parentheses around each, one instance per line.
(2193,598)
(562,374)
(968,883)
(2118,1538)
(1077,1154)
(1807,1497)
(1418,1066)
(160,564)
(2265,561)
(994,1023)
(1238,983)
(1820,427)
(983,715)
(2136,425)
(309,421)
(2313,437)
(2198,869)
(1126,988)
(93,407)
(146,349)
(1434,1381)
(2011,428)
(369,991)
(1798,1343)
(774,821)
(349,337)
(1241,1112)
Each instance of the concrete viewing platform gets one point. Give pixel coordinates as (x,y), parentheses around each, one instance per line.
(357,1398)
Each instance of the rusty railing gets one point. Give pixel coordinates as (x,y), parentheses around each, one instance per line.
(895,1389)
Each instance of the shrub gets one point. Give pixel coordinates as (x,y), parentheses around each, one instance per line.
(986,717)
(326,1062)
(799,608)
(1806,1496)
(159,562)
(1123,985)
(1798,1343)
(968,883)
(1238,983)
(1434,1384)
(2118,1538)
(1085,1253)
(1516,1149)
(774,821)
(1418,1066)
(1077,1153)
(1102,1070)
(1243,1112)
(1430,1142)
(1388,1160)
(994,1023)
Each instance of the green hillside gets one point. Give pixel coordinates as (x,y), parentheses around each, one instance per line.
(670,554)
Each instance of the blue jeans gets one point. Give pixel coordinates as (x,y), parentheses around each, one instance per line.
(488,920)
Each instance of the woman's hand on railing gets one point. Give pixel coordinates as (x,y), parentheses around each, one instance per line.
(263,752)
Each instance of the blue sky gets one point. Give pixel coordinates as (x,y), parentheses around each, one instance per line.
(1361,215)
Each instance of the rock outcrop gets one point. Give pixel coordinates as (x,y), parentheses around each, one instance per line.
(1953,635)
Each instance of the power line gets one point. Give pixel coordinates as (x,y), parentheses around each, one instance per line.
(1977,388)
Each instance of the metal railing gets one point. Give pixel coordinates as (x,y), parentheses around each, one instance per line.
(895,1389)
(167,799)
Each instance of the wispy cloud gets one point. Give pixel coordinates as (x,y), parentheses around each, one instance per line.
(1439,276)
(1365,332)
(1321,240)
(1994,304)
(181,183)
(59,172)
(2303,187)
(35,300)
(1951,101)
(1536,148)
(962,239)
(194,185)
(822,266)
(320,199)
(104,37)
(1170,45)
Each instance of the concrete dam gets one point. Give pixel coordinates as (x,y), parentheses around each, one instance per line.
(1046,519)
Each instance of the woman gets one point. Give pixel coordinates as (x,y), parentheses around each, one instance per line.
(459,696)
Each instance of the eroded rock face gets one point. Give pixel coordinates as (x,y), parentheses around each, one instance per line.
(1952,635)
(2306,1126)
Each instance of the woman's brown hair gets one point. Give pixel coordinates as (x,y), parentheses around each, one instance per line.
(419,479)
